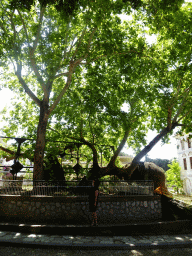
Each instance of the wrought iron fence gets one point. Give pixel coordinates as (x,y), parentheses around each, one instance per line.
(72,188)
(127,187)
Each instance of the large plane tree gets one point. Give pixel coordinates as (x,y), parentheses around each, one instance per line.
(82,65)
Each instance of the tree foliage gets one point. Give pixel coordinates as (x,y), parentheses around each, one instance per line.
(173,176)
(80,68)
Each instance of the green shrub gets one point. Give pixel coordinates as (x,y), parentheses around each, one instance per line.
(173,177)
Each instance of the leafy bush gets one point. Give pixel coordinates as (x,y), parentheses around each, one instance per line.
(173,177)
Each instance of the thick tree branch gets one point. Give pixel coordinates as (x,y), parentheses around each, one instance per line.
(36,71)
(27,90)
(85,142)
(76,51)
(69,79)
(71,47)
(15,46)
(181,106)
(79,43)
(65,49)
(11,152)
(62,74)
(66,38)
(24,27)
(184,125)
(170,109)
(121,145)
(84,63)
(90,40)
(13,27)
(151,144)
(143,152)
(35,43)
(92,147)
(119,172)
(77,62)
(53,130)
(32,57)
(183,116)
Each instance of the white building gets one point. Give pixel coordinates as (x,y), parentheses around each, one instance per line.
(184,151)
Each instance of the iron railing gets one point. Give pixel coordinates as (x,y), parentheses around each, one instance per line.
(72,188)
(127,187)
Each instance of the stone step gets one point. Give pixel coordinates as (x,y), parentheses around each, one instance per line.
(136,229)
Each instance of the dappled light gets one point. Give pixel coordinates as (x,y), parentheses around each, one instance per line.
(88,78)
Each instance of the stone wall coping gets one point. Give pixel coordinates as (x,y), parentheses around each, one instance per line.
(78,198)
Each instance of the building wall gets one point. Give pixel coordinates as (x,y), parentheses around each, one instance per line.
(184,150)
(119,209)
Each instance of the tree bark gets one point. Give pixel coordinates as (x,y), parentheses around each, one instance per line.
(40,142)
(114,170)
(121,145)
(143,152)
(96,168)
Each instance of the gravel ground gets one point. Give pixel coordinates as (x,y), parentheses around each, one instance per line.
(19,251)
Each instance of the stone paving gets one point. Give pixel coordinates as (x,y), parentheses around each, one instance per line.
(129,242)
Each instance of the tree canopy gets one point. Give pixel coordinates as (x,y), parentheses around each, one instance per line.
(74,71)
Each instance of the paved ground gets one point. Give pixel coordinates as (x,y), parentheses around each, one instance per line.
(138,239)
(15,251)
(95,242)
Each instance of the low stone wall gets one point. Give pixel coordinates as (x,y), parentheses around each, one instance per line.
(110,209)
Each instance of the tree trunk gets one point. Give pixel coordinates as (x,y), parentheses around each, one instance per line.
(121,145)
(112,170)
(38,173)
(143,152)
(96,168)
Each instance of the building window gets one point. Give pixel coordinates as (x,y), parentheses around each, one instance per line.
(189,143)
(191,161)
(182,145)
(185,163)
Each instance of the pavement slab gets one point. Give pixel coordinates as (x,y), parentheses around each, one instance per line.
(97,241)
(128,240)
